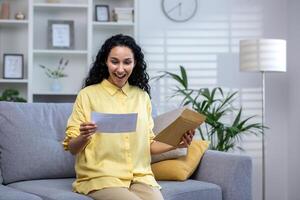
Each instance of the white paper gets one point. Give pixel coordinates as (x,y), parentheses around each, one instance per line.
(115,123)
(61,35)
(13,66)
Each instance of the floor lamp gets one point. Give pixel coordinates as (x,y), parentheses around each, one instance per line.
(263,55)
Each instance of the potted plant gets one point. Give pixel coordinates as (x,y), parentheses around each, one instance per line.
(215,105)
(56,74)
(11,95)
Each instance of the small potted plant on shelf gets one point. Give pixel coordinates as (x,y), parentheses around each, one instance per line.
(56,74)
(11,95)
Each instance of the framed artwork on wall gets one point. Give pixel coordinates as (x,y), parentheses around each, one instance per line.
(102,13)
(60,34)
(13,66)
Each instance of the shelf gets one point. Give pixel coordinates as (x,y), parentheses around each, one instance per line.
(59,5)
(54,93)
(13,81)
(13,22)
(56,51)
(113,24)
(30,36)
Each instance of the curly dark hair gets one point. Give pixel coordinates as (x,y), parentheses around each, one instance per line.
(99,71)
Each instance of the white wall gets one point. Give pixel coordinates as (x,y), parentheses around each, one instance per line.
(276,107)
(294,99)
(230,20)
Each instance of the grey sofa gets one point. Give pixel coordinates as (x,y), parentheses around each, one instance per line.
(34,166)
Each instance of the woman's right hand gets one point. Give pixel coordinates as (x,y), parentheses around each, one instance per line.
(87,129)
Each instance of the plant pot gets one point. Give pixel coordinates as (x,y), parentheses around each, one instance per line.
(56,86)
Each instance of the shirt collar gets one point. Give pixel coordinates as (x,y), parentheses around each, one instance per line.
(112,89)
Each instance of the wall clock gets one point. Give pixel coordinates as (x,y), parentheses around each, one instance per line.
(179,10)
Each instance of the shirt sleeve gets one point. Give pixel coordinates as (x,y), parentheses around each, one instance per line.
(81,113)
(150,119)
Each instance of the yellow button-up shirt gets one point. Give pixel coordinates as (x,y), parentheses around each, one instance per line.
(112,160)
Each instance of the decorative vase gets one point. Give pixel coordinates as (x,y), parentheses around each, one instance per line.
(19,16)
(56,85)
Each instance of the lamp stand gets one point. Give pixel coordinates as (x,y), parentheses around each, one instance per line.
(263,55)
(263,138)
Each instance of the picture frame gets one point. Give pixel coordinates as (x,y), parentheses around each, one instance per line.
(102,13)
(60,34)
(13,66)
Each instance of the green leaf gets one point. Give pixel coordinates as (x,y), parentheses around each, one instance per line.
(176,78)
(58,72)
(184,77)
(237,118)
(227,100)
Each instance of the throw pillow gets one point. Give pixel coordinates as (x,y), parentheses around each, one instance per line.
(182,168)
(169,155)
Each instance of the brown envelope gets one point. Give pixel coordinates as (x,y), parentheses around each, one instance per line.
(169,127)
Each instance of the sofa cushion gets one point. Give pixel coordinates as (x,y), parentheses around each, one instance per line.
(190,189)
(8,193)
(30,144)
(51,189)
(60,189)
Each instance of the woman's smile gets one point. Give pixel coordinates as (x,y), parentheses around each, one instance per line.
(120,64)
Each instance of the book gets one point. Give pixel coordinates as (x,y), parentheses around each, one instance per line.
(171,126)
(123,14)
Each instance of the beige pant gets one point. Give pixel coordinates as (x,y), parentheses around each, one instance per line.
(137,191)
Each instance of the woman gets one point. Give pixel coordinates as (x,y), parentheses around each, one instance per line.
(116,166)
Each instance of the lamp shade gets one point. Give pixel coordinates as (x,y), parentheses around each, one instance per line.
(263,55)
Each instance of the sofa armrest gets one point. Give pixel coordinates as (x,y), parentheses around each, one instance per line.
(8,193)
(233,173)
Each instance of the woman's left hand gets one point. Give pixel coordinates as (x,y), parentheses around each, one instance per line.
(186,139)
